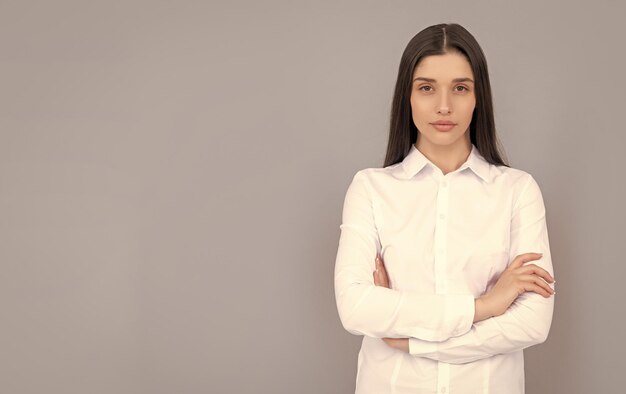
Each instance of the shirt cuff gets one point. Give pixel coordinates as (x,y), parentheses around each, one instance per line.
(461,309)
(418,347)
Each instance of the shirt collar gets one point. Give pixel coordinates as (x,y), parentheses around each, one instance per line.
(415,161)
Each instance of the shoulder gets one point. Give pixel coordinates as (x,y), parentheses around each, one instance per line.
(514,177)
(522,183)
(382,174)
(375,178)
(374,173)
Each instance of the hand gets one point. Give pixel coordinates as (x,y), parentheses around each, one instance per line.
(516,280)
(398,343)
(380,275)
(382,279)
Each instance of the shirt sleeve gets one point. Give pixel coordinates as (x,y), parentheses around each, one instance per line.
(376,311)
(527,321)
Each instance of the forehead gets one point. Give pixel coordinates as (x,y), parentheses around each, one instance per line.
(444,67)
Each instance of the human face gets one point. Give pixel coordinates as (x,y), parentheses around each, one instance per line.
(443,89)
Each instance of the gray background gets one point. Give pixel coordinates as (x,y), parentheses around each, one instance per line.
(172,177)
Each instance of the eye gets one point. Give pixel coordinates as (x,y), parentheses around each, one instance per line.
(464,88)
(425,86)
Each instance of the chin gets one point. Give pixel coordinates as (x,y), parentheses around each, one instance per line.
(442,138)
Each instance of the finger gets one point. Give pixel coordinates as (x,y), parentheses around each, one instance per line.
(528,286)
(524,258)
(383,275)
(535,286)
(380,266)
(535,269)
(380,277)
(537,281)
(384,279)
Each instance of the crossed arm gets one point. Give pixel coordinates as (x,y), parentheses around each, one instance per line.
(375,311)
(442,327)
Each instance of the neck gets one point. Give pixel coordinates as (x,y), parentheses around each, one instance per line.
(447,158)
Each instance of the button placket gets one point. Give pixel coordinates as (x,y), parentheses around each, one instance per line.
(441,230)
(441,282)
(444,377)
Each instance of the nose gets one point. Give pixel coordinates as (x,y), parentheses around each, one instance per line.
(444,104)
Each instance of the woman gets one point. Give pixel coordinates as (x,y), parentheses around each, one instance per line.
(443,262)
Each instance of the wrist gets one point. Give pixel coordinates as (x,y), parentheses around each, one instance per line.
(482,310)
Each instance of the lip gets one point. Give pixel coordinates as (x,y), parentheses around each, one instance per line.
(443,125)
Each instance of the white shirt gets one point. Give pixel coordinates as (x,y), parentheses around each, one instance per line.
(445,240)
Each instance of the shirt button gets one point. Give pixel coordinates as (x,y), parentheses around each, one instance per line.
(444,184)
(442,216)
(443,389)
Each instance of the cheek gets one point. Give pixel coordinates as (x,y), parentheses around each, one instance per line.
(466,109)
(418,106)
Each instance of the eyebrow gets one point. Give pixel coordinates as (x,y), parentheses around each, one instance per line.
(454,80)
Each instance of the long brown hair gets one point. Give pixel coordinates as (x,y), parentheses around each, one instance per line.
(438,40)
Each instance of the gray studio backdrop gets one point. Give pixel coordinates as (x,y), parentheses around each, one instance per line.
(172,177)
